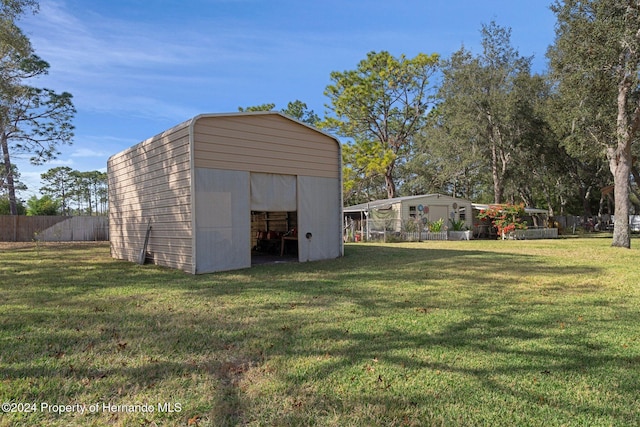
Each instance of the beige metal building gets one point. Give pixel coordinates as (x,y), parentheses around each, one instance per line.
(218,188)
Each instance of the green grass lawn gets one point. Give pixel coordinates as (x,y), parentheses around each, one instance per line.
(500,333)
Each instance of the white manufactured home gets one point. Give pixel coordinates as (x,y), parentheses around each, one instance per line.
(406,213)
(222,190)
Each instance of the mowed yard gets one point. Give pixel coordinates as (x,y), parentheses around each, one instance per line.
(500,333)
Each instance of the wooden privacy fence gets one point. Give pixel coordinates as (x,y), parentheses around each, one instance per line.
(18,228)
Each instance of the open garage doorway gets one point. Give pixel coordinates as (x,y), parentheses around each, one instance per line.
(274,218)
(274,237)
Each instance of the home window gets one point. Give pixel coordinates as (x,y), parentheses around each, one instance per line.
(412,211)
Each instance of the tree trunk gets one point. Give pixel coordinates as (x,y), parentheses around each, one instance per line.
(497,182)
(620,165)
(585,195)
(13,205)
(547,195)
(388,180)
(390,185)
(498,160)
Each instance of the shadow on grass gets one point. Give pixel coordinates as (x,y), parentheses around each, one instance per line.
(389,326)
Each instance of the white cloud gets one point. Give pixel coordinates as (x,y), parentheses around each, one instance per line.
(60,162)
(32,181)
(138,69)
(88,152)
(145,107)
(101,45)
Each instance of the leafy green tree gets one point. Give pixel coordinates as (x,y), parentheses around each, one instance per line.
(14,44)
(80,190)
(299,111)
(380,106)
(296,109)
(363,178)
(101,193)
(484,105)
(584,166)
(87,189)
(97,190)
(262,107)
(59,184)
(446,161)
(17,184)
(596,61)
(539,163)
(33,121)
(44,205)
(6,210)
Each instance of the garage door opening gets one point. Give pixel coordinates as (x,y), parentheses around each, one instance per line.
(274,237)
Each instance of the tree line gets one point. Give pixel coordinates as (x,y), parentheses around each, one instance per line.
(65,191)
(483,126)
(479,125)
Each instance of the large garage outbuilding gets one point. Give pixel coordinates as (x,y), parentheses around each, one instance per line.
(221,190)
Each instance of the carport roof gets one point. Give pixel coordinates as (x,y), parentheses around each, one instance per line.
(386,203)
(480,206)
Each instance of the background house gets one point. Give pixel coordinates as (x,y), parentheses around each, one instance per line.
(222,190)
(402,214)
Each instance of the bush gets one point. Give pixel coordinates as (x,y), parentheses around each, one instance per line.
(436,226)
(6,210)
(458,225)
(42,206)
(506,218)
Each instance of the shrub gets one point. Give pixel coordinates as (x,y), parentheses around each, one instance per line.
(458,225)
(436,226)
(506,218)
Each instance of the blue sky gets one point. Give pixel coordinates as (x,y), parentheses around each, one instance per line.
(139,67)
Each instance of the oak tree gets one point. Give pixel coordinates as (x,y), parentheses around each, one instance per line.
(596,60)
(486,105)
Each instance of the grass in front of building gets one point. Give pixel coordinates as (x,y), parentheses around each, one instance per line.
(434,333)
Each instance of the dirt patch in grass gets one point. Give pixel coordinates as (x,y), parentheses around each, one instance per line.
(9,246)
